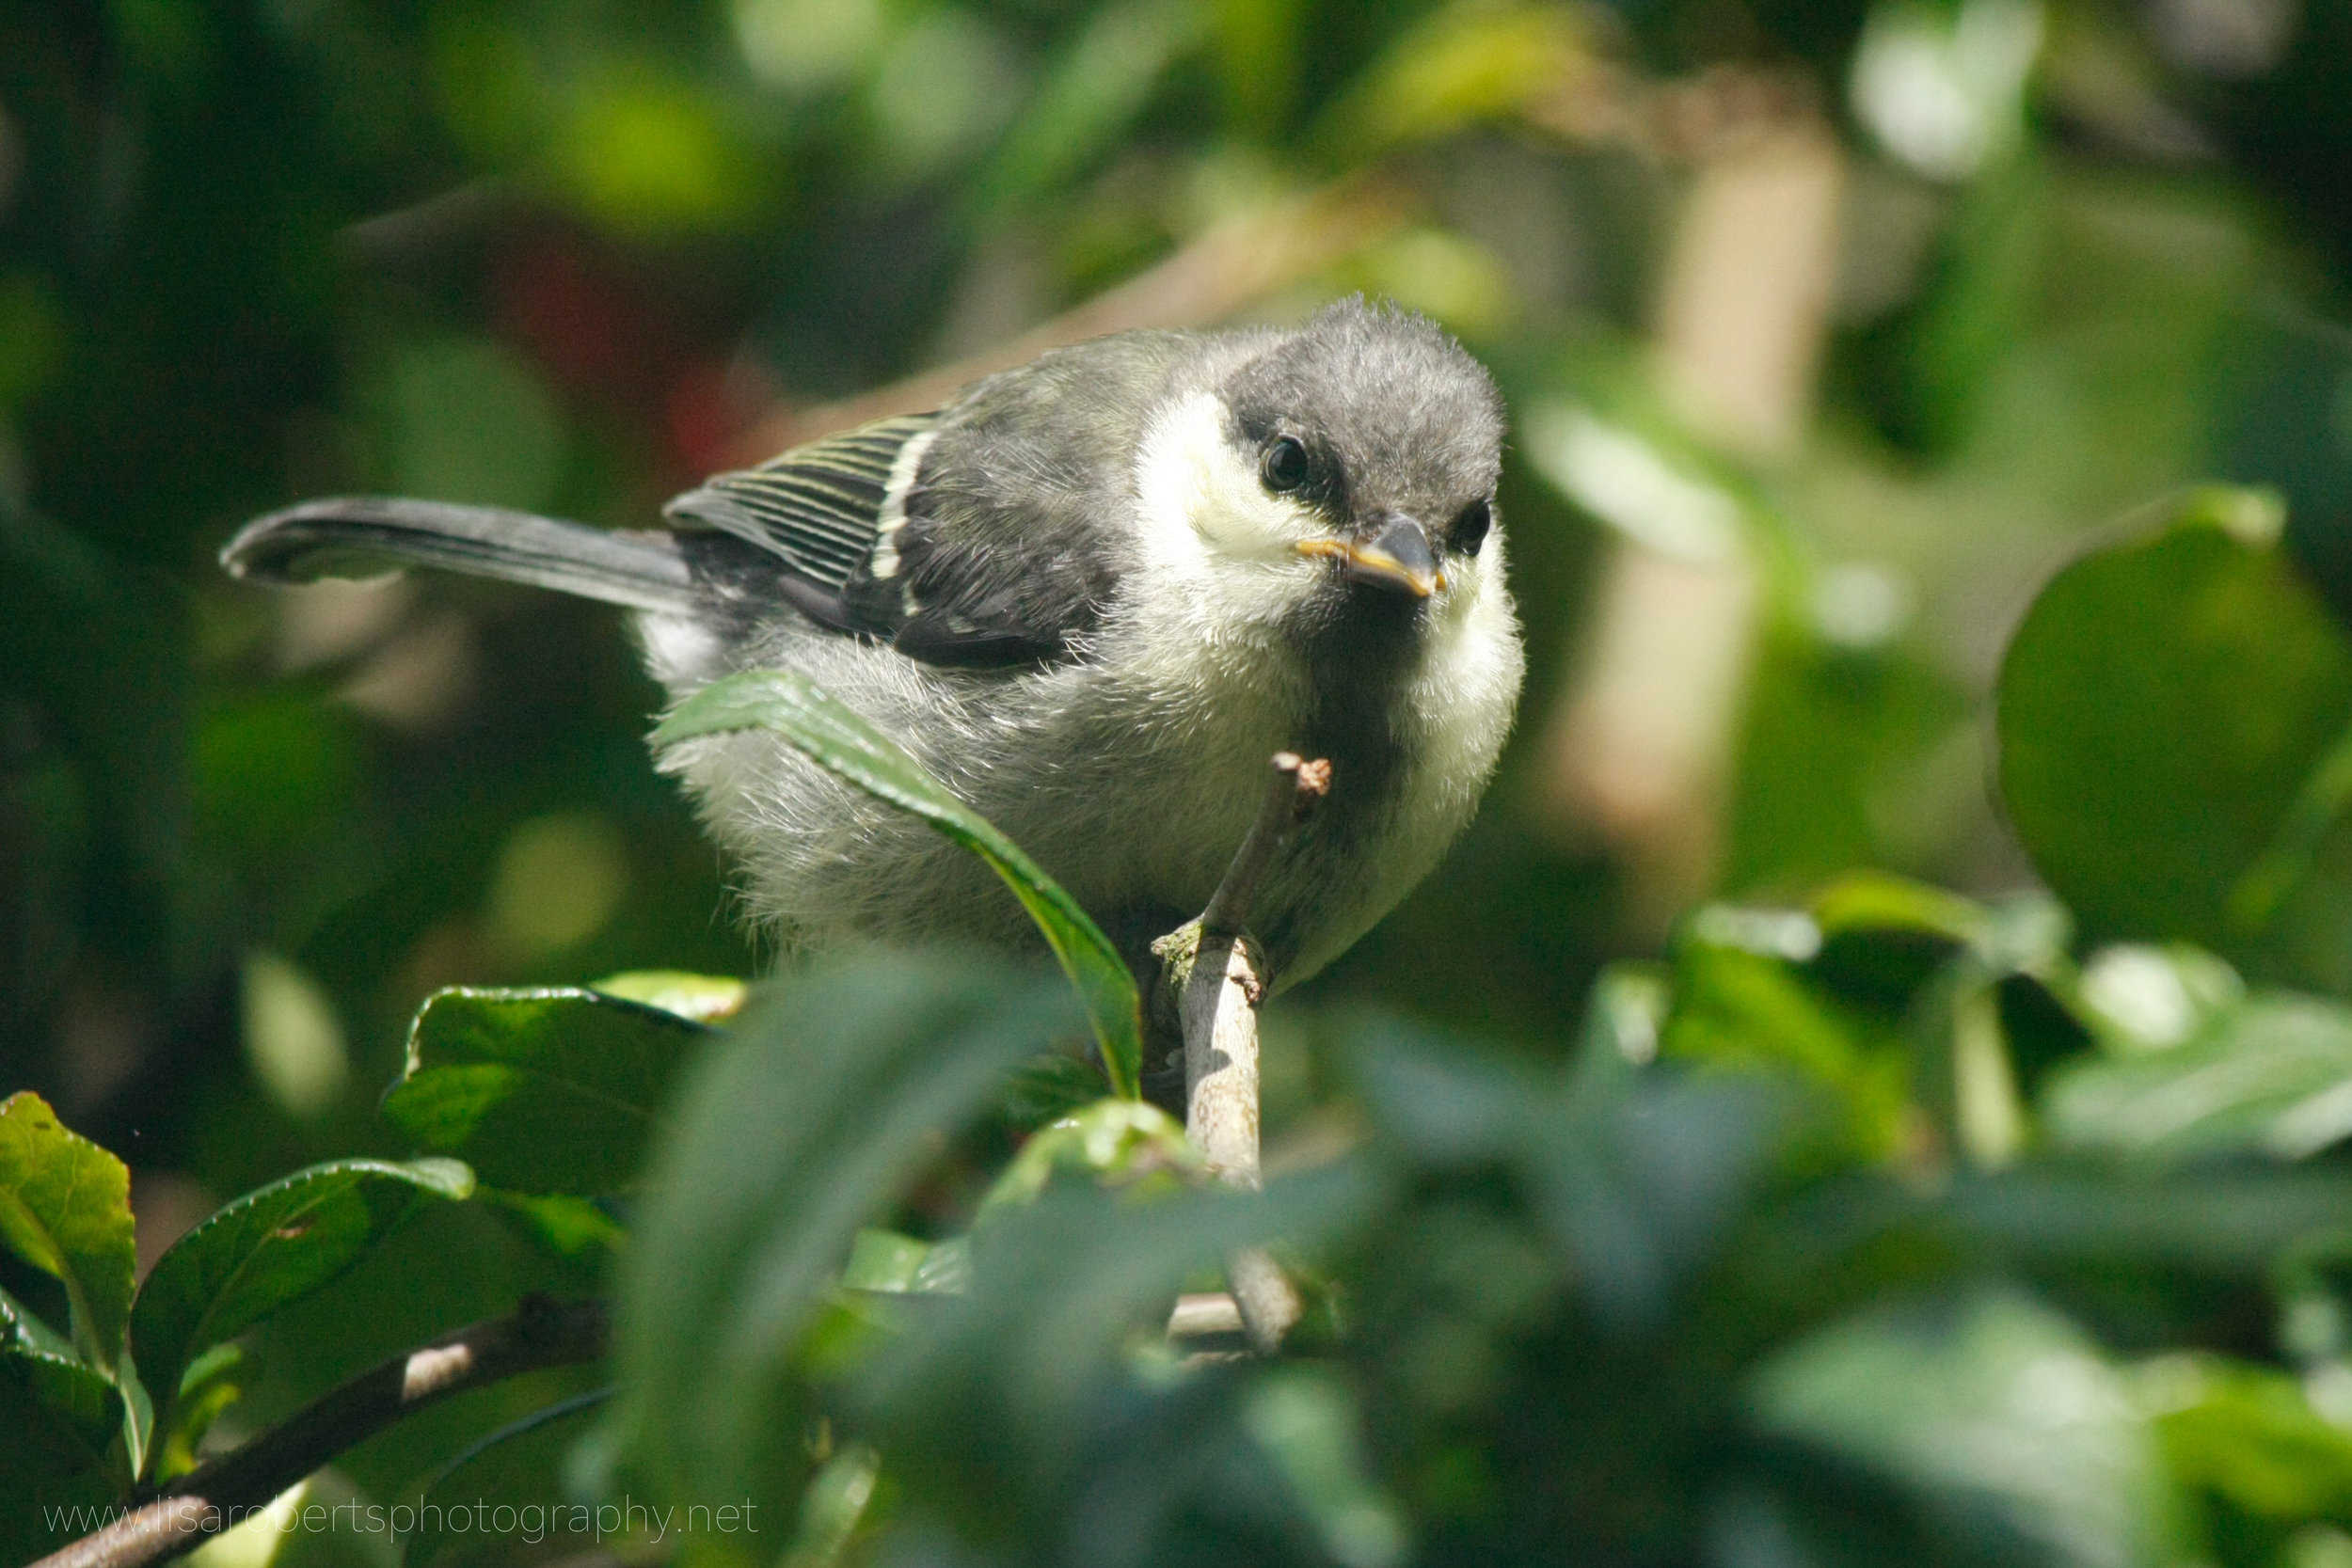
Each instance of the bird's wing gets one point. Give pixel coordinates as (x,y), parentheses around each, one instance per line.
(863,548)
(821,508)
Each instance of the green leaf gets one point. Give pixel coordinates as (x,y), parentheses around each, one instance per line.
(2162,707)
(272,1247)
(704,998)
(2272,1075)
(514,1464)
(61,1420)
(1115,1141)
(549,1091)
(2248,1434)
(832,1507)
(65,1208)
(833,735)
(1998,1416)
(1309,1423)
(887,1263)
(821,1103)
(1034,1351)
(213,1382)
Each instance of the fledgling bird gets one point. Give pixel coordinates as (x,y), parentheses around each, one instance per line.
(1092,596)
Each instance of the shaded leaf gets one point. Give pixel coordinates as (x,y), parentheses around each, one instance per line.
(553,1090)
(1034,1351)
(2161,707)
(272,1247)
(820,1102)
(1995,1415)
(60,1420)
(65,1208)
(509,1463)
(833,735)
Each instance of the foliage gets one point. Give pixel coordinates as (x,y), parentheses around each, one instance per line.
(1930,1148)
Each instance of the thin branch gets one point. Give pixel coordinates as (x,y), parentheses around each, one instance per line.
(538,1332)
(1293,789)
(1218,978)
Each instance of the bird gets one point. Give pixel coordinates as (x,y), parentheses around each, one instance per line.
(1092,596)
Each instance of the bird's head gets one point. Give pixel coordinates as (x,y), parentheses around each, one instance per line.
(1353,458)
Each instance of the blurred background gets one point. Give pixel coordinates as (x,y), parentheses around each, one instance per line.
(1828,329)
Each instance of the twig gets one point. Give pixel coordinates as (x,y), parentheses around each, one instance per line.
(538,1332)
(1218,978)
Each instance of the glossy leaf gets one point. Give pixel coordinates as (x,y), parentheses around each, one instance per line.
(820,1104)
(271,1248)
(549,1091)
(2161,708)
(838,739)
(65,1208)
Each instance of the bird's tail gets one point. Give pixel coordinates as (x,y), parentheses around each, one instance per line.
(366,537)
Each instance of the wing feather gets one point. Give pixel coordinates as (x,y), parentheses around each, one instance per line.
(818,509)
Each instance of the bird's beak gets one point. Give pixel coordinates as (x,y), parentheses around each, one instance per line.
(1397,558)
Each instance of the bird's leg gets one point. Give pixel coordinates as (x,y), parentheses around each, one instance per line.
(1211,978)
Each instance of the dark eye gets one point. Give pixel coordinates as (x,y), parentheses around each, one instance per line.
(1285,466)
(1469,529)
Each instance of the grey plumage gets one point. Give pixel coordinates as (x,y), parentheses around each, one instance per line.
(1092,594)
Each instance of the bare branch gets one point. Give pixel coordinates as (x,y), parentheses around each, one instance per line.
(538,1332)
(1217,977)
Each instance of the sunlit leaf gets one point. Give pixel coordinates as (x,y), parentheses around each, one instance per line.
(65,1208)
(549,1091)
(704,998)
(2272,1075)
(838,739)
(271,1248)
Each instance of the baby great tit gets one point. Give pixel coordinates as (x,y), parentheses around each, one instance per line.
(1092,596)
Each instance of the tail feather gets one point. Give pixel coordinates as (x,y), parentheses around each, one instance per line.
(367,536)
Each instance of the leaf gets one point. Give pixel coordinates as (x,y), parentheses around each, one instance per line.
(2271,1075)
(818,1105)
(2161,708)
(887,1263)
(271,1248)
(1117,1141)
(1309,1423)
(1995,1415)
(832,1507)
(704,998)
(60,1419)
(547,1092)
(65,1208)
(795,707)
(502,1466)
(1035,1353)
(2249,1434)
(213,1382)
